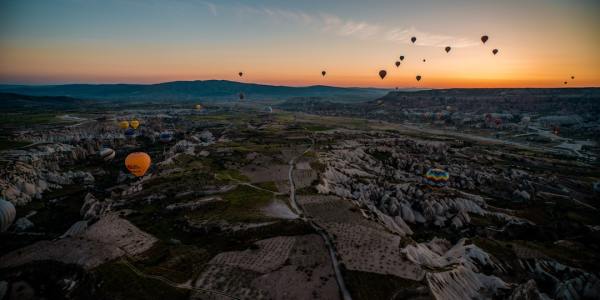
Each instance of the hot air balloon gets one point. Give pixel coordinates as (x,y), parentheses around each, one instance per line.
(323,73)
(123,124)
(495,51)
(437,177)
(241,96)
(130,132)
(418,77)
(484,38)
(424,60)
(138,163)
(165,137)
(448,49)
(565,82)
(134,124)
(241,74)
(199,107)
(382,74)
(572,77)
(413,39)
(401,57)
(268,109)
(7,214)
(106,154)
(397,64)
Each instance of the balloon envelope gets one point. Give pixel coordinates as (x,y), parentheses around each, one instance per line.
(413,39)
(199,107)
(241,96)
(106,154)
(418,77)
(382,74)
(484,38)
(572,77)
(7,214)
(448,49)
(123,124)
(495,51)
(165,137)
(240,73)
(138,163)
(134,124)
(401,57)
(130,132)
(397,64)
(437,177)
(323,73)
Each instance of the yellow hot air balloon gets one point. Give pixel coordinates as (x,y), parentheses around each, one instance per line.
(123,124)
(134,124)
(138,163)
(199,107)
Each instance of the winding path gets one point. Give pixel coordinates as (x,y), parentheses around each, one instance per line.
(332,252)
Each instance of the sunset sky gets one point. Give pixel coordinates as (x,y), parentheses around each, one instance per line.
(541,42)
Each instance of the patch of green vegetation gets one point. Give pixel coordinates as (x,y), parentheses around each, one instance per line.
(24,119)
(364,285)
(229,174)
(8,144)
(178,263)
(243,205)
(120,282)
(316,127)
(268,185)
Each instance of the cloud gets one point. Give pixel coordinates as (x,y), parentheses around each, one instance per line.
(211,7)
(359,29)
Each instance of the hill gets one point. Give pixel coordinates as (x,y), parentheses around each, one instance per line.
(188,90)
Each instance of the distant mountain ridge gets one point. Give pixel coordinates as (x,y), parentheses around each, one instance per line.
(184,90)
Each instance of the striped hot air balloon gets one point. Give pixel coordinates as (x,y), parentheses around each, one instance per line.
(107,154)
(437,177)
(7,214)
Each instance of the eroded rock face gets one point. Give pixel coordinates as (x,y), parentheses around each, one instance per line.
(35,170)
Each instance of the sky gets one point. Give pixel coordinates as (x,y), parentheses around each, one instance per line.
(541,43)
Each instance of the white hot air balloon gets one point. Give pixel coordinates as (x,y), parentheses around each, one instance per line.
(7,214)
(107,154)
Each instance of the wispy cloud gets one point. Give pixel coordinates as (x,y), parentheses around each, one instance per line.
(211,7)
(358,29)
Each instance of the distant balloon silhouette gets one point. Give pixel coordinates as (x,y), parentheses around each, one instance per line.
(413,39)
(495,51)
(418,77)
(241,96)
(572,77)
(323,73)
(424,60)
(397,64)
(565,82)
(382,74)
(401,57)
(241,74)
(484,38)
(448,49)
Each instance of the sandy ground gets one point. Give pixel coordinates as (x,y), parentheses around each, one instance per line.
(107,239)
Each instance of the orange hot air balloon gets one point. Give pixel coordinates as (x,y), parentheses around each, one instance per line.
(134,124)
(123,124)
(138,163)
